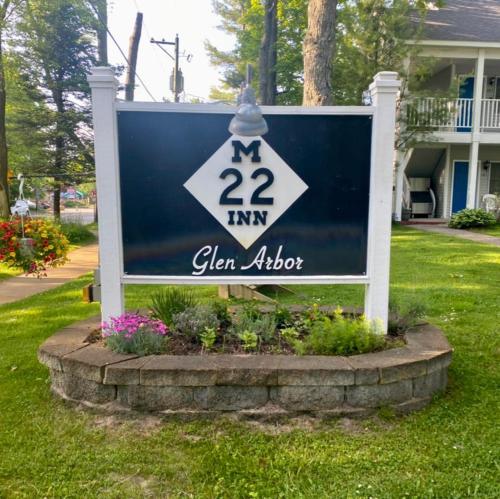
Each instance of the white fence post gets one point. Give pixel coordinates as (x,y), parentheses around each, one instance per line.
(384,92)
(104,86)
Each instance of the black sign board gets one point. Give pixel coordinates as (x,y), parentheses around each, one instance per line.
(198,202)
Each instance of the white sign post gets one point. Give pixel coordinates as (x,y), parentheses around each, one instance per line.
(384,91)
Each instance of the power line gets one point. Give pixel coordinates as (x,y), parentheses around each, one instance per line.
(94,8)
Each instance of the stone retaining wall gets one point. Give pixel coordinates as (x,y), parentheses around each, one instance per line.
(402,378)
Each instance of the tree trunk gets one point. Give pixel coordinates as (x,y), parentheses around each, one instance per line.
(133,50)
(4,168)
(268,54)
(102,34)
(59,144)
(319,46)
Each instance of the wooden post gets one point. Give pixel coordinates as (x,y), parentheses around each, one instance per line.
(133,50)
(384,91)
(104,86)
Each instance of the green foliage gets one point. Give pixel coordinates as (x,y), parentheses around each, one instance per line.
(263,325)
(403,317)
(249,339)
(471,218)
(342,336)
(170,301)
(220,309)
(77,233)
(282,316)
(194,321)
(142,343)
(208,337)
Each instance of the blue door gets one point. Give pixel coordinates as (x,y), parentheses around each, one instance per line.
(460,180)
(465,111)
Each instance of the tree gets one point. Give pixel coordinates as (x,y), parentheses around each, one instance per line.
(57,47)
(6,8)
(318,52)
(268,54)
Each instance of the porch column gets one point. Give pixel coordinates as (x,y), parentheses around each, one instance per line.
(476,127)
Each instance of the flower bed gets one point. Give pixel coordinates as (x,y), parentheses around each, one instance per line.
(404,378)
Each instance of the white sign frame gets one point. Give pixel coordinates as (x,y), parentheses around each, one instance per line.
(384,91)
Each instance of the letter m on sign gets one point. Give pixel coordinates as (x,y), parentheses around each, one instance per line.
(252,148)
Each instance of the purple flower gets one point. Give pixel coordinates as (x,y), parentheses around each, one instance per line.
(129,324)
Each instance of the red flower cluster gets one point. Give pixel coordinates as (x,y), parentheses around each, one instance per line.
(32,245)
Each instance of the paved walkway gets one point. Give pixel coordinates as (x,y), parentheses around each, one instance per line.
(81,261)
(463,234)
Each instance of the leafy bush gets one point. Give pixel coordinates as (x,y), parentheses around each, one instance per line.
(263,325)
(193,321)
(133,333)
(249,340)
(471,218)
(220,309)
(208,337)
(282,316)
(342,335)
(32,245)
(77,233)
(171,301)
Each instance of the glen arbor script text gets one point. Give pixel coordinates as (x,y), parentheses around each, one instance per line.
(207,258)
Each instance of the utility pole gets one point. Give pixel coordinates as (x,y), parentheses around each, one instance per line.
(176,78)
(133,50)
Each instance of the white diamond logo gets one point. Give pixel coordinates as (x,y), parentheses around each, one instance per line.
(246,186)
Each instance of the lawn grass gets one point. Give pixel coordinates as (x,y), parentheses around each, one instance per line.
(491,230)
(6,272)
(449,450)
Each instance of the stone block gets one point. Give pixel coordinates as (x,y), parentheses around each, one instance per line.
(76,388)
(304,398)
(124,373)
(176,370)
(230,398)
(430,384)
(50,354)
(428,340)
(89,362)
(155,398)
(317,370)
(379,395)
(439,362)
(245,370)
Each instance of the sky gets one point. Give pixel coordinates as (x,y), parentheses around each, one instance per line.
(193,20)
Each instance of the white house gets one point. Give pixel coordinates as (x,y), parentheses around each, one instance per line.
(460,159)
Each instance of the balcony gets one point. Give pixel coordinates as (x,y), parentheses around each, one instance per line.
(432,114)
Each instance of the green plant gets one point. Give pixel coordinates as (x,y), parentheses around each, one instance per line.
(221,310)
(289,334)
(249,339)
(471,218)
(403,317)
(208,337)
(133,333)
(171,301)
(251,310)
(193,321)
(263,325)
(342,335)
(77,233)
(282,316)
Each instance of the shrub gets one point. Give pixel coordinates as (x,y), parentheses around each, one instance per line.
(133,333)
(249,340)
(171,301)
(208,337)
(220,309)
(193,321)
(32,245)
(77,233)
(471,218)
(263,325)
(342,335)
(282,316)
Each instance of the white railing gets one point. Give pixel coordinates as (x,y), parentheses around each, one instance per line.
(490,115)
(440,114)
(455,115)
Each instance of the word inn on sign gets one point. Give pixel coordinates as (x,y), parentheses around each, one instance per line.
(256,187)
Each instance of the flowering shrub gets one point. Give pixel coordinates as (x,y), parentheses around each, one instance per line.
(134,333)
(42,246)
